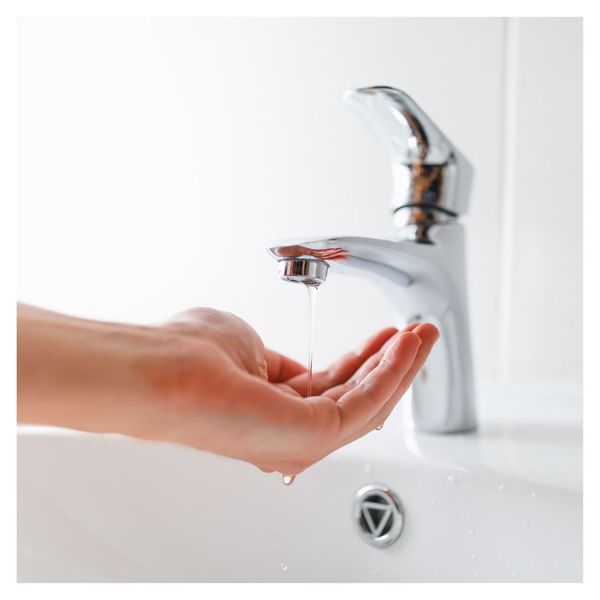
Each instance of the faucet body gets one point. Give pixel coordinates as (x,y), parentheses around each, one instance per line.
(422,271)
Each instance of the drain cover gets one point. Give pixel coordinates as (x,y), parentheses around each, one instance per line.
(379,515)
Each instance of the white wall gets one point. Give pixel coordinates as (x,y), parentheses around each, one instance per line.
(158,157)
(542,319)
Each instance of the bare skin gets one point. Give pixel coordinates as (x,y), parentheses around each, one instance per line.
(205,379)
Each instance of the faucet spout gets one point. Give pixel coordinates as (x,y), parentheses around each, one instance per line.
(423,284)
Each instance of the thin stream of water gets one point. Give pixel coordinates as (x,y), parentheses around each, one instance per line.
(312,301)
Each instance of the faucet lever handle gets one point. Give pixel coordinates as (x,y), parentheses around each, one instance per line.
(410,135)
(431,178)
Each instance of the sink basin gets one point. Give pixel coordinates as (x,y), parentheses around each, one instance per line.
(502,504)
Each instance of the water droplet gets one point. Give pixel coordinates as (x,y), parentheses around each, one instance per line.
(283,567)
(476,574)
(288,480)
(467,518)
(368,469)
(501,487)
(515,574)
(433,502)
(533,495)
(473,556)
(379,428)
(452,478)
(471,531)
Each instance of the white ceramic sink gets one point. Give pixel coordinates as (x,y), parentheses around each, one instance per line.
(504,504)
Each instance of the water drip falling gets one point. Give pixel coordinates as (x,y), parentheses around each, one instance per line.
(288,479)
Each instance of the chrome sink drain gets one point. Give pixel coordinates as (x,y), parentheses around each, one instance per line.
(379,515)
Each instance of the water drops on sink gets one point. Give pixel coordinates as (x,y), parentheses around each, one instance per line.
(283,567)
(288,479)
(452,478)
(471,531)
(501,487)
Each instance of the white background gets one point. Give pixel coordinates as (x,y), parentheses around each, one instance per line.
(157,158)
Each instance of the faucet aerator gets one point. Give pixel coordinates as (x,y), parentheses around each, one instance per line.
(309,271)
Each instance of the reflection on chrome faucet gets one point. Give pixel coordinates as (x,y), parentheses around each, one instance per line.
(423,269)
(304,251)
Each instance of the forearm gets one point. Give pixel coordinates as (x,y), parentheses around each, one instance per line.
(81,374)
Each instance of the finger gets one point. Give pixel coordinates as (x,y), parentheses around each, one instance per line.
(429,334)
(349,363)
(342,369)
(281,368)
(362,403)
(373,360)
(338,391)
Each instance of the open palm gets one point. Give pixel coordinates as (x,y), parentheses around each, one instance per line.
(234,397)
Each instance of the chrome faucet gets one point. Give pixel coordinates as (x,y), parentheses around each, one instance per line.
(423,269)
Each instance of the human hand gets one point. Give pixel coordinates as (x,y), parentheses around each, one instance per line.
(229,395)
